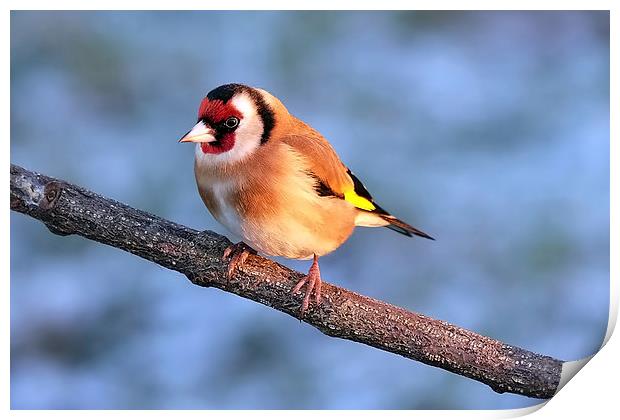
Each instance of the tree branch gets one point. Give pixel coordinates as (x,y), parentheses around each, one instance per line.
(68,209)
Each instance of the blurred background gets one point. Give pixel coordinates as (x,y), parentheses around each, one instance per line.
(490,131)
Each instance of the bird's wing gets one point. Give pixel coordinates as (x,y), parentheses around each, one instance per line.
(335,179)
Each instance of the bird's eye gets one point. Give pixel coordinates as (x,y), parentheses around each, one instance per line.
(231,122)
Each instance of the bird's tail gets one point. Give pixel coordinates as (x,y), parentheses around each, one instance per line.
(380,217)
(372,215)
(399,226)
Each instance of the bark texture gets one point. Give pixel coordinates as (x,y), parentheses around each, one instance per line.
(67,209)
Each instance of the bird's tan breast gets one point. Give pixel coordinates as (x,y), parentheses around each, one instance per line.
(272,204)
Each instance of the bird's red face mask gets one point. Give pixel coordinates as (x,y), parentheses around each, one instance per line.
(215,129)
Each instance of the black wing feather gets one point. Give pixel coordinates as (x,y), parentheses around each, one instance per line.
(394,223)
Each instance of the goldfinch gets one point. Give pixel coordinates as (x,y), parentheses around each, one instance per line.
(277,183)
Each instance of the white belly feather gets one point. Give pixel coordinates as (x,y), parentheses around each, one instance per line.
(228,215)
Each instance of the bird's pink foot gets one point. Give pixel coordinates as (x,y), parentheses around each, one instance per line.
(238,253)
(313,281)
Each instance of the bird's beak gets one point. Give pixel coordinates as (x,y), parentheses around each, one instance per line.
(201,133)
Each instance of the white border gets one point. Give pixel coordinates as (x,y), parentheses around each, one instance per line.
(593,392)
(310,5)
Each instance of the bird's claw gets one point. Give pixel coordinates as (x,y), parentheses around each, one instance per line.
(313,281)
(238,253)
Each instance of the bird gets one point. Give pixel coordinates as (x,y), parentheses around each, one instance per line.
(277,183)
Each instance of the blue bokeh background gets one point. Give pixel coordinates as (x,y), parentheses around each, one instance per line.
(489,130)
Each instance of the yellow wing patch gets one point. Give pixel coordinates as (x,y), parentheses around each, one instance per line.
(357,201)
